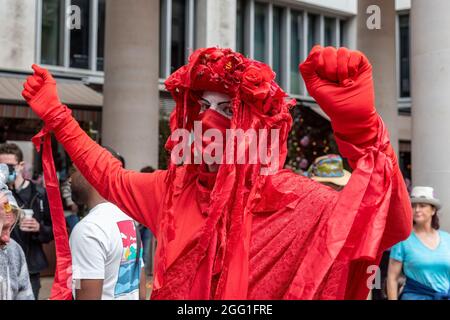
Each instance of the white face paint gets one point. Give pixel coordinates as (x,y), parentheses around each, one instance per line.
(219,102)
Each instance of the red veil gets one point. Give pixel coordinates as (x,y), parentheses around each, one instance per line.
(257,103)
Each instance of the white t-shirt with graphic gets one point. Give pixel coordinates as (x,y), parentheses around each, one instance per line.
(104,246)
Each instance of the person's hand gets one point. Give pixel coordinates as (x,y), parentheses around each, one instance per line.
(41,94)
(340,80)
(30,225)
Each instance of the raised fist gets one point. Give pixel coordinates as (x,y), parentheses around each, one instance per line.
(41,94)
(340,80)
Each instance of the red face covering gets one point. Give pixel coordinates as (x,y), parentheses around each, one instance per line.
(211,119)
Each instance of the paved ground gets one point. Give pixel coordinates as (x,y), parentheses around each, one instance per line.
(46,285)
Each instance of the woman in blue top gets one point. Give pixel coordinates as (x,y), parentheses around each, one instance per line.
(424,257)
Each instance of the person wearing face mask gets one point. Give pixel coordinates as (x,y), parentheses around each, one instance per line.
(424,258)
(35,229)
(215,114)
(14,278)
(251,230)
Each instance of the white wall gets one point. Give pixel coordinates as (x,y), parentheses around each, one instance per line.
(17,34)
(218,21)
(345,6)
(402,4)
(350,6)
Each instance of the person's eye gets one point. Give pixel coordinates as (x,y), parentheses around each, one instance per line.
(226,107)
(228,111)
(204,106)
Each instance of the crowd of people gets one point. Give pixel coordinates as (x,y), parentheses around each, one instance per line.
(108,264)
(107,261)
(35,228)
(229,230)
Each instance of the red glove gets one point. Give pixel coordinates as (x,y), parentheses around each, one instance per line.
(41,94)
(341,83)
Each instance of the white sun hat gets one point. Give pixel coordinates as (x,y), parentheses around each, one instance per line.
(425,195)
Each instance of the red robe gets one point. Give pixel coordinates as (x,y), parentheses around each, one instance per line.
(301,240)
(280,236)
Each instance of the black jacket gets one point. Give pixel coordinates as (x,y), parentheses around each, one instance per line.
(31,243)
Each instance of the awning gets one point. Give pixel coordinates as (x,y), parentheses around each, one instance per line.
(25,112)
(72,93)
(85,102)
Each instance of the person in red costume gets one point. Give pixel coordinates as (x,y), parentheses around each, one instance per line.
(230,232)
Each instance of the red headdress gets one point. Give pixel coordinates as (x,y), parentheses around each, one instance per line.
(257,103)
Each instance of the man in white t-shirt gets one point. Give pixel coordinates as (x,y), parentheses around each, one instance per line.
(104,247)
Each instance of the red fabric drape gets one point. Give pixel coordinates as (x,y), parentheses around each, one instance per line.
(311,237)
(62,284)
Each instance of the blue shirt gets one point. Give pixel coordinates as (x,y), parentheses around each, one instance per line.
(427,266)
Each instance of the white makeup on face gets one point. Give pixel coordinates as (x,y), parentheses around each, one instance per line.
(218,102)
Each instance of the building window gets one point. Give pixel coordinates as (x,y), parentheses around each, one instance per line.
(282,37)
(343,34)
(277,52)
(101,34)
(178,41)
(79,38)
(404,58)
(177,34)
(261,24)
(240,22)
(296,50)
(65,43)
(330,32)
(313,31)
(51,28)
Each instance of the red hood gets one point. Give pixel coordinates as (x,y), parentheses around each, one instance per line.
(258,103)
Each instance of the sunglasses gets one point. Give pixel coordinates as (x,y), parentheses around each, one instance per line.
(11,168)
(16,214)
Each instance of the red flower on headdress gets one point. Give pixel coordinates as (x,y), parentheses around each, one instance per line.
(215,55)
(216,69)
(223,70)
(256,83)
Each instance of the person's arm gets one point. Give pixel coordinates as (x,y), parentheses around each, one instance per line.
(25,291)
(88,244)
(90,289)
(138,194)
(45,234)
(41,230)
(143,286)
(373,211)
(396,261)
(394,273)
(341,82)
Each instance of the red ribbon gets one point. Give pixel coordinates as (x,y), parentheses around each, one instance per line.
(62,284)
